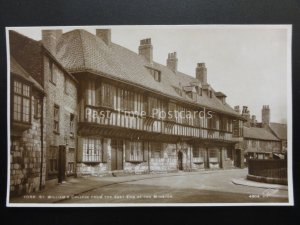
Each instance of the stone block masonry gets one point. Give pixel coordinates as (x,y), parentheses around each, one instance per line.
(25,160)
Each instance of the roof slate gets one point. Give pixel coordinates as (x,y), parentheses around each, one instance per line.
(79,51)
(279,129)
(17,69)
(27,53)
(258,133)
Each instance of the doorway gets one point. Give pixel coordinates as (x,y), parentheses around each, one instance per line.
(180,164)
(238,158)
(116,154)
(61,163)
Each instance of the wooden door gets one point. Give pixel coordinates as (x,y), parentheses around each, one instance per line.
(116,154)
(61,163)
(238,158)
(180,164)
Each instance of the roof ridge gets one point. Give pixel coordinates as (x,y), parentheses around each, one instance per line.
(26,37)
(81,45)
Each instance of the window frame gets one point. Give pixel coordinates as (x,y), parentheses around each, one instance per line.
(97,147)
(136,151)
(154,145)
(53,160)
(22,96)
(254,143)
(56,120)
(52,75)
(37,107)
(72,125)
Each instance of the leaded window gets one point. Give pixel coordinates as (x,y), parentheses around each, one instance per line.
(92,149)
(21,102)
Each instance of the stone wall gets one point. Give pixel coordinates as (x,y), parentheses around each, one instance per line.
(61,92)
(26,158)
(98,169)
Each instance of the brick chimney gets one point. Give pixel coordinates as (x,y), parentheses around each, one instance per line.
(246,115)
(201,73)
(265,115)
(50,39)
(237,109)
(105,35)
(172,61)
(253,121)
(146,49)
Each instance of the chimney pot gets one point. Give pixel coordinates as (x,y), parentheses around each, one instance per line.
(146,49)
(265,115)
(172,62)
(237,109)
(201,73)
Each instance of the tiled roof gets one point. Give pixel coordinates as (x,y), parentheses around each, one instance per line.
(79,51)
(280,130)
(258,133)
(27,53)
(17,69)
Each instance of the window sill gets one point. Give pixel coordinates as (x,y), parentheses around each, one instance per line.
(135,161)
(91,162)
(198,162)
(37,117)
(21,126)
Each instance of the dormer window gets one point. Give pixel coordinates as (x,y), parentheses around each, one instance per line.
(155,73)
(199,91)
(221,96)
(178,90)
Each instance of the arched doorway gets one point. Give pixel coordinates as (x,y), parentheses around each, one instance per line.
(180,164)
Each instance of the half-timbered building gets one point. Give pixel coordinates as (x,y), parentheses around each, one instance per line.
(95,107)
(138,116)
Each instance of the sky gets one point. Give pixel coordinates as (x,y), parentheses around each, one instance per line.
(247,63)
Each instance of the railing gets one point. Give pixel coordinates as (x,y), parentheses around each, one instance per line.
(111,117)
(269,168)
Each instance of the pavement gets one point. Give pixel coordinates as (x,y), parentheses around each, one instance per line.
(245,182)
(203,186)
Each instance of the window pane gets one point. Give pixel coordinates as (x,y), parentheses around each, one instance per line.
(26,90)
(18,87)
(17,107)
(26,110)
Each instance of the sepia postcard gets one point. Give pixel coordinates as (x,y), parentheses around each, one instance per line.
(193,115)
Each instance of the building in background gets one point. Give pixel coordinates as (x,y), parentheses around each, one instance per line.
(263,140)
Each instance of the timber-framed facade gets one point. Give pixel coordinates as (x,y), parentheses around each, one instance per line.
(109,110)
